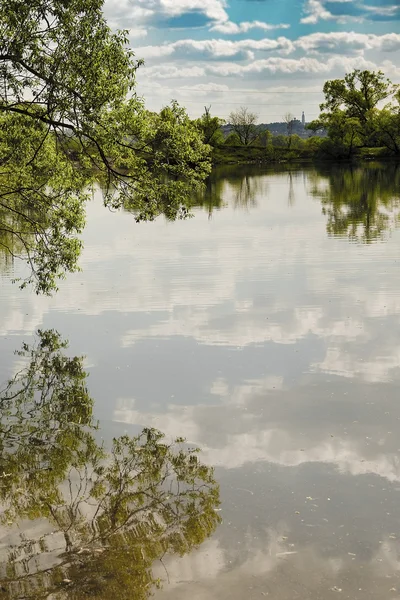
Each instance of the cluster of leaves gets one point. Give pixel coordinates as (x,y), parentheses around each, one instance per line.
(351,115)
(164,161)
(210,128)
(113,513)
(70,114)
(42,202)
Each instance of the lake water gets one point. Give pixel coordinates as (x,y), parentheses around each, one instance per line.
(266,330)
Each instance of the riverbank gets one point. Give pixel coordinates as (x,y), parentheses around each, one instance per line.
(258,155)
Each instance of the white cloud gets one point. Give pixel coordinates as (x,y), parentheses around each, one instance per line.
(137,32)
(229,27)
(216,48)
(147,52)
(126,14)
(174,72)
(334,66)
(382,11)
(213,9)
(291,66)
(207,87)
(345,41)
(334,42)
(316,11)
(187,57)
(140,16)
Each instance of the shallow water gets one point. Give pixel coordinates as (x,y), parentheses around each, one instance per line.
(266,331)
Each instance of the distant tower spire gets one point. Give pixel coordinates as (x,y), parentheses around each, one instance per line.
(303,119)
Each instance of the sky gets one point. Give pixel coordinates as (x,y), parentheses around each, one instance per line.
(272,56)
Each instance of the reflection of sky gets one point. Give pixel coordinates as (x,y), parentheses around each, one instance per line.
(269,344)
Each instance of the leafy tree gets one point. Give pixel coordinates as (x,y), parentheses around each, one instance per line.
(345,133)
(350,113)
(211,128)
(264,139)
(358,94)
(42,201)
(232,139)
(243,123)
(297,143)
(313,143)
(176,165)
(279,141)
(69,114)
(289,120)
(109,515)
(387,126)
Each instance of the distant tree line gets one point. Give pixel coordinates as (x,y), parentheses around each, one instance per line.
(360,111)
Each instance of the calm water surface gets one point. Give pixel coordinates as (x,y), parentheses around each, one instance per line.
(266,331)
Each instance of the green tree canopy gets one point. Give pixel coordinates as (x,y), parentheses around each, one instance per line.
(358,93)
(345,133)
(351,114)
(387,125)
(211,128)
(69,113)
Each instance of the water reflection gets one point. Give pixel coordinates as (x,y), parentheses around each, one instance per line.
(239,182)
(271,345)
(78,519)
(360,202)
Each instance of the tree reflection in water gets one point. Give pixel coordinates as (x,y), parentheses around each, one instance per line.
(78,520)
(237,185)
(360,202)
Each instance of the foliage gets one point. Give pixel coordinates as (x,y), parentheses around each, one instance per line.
(358,94)
(387,125)
(243,123)
(279,141)
(264,139)
(290,121)
(351,116)
(313,143)
(297,142)
(344,134)
(42,202)
(210,128)
(232,139)
(69,113)
(109,515)
(174,163)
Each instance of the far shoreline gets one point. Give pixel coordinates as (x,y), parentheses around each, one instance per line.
(257,155)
